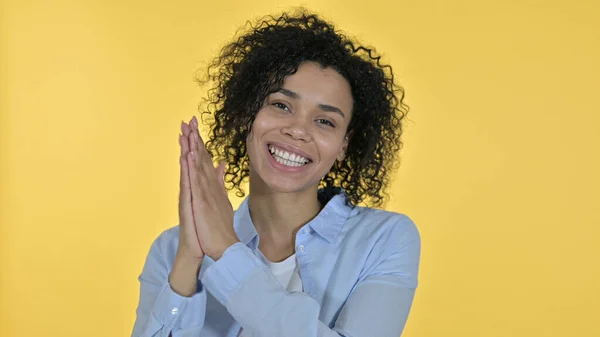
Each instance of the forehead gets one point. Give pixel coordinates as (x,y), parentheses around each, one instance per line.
(316,84)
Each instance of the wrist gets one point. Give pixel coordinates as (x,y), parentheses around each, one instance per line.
(183,278)
(186,258)
(219,252)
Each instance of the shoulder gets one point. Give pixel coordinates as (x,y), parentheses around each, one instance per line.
(387,243)
(394,229)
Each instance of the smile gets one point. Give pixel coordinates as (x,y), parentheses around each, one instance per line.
(287,158)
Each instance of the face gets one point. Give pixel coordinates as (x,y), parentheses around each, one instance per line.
(300,131)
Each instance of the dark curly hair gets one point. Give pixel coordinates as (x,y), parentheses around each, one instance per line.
(255,65)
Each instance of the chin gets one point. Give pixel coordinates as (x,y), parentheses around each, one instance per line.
(279,186)
(267,181)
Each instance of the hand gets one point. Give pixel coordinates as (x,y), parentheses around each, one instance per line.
(189,244)
(211,208)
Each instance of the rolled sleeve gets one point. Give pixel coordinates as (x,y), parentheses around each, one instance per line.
(250,292)
(381,302)
(225,276)
(178,312)
(161,311)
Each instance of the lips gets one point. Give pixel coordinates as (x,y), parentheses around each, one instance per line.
(288,158)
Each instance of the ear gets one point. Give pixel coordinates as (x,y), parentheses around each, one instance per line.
(342,154)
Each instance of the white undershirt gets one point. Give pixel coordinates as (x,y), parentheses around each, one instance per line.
(286,272)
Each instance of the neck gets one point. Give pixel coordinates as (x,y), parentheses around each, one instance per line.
(278,216)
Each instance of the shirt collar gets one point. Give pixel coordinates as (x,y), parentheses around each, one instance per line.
(327,224)
(243,224)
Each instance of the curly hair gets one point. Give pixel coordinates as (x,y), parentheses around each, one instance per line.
(255,65)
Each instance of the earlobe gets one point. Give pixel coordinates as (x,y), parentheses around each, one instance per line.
(343,150)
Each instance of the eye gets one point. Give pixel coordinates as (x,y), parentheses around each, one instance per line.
(281,106)
(325,122)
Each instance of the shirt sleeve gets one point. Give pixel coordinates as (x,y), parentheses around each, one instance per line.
(378,306)
(160,310)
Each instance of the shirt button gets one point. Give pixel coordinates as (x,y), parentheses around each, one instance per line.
(301,249)
(174,311)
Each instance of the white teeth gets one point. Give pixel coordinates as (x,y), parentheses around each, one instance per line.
(287,158)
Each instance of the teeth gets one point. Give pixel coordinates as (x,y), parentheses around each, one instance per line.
(287,158)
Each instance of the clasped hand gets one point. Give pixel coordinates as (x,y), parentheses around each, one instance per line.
(205,212)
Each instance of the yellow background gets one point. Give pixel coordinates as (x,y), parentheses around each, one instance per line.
(499,171)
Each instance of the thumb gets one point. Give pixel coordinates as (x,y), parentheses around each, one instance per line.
(221,172)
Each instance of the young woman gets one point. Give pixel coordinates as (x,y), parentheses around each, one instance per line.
(314,121)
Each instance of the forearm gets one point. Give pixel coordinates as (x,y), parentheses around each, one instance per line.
(258,302)
(165,307)
(379,305)
(184,275)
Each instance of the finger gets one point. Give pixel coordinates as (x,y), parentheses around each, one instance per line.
(185,195)
(221,172)
(192,141)
(198,138)
(184,180)
(202,151)
(203,159)
(221,176)
(198,181)
(195,134)
(194,123)
(186,212)
(193,130)
(186,130)
(198,155)
(196,201)
(183,145)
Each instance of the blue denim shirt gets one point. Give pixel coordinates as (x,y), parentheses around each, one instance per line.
(358,266)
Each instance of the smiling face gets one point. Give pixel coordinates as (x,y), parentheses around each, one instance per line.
(300,131)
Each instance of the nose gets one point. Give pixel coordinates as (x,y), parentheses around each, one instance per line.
(298,128)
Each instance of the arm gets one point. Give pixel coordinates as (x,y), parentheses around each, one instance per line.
(378,306)
(162,311)
(171,302)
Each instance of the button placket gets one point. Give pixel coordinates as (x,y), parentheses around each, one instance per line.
(302,237)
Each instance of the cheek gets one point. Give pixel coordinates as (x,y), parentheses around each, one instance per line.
(329,150)
(260,126)
(265,123)
(257,126)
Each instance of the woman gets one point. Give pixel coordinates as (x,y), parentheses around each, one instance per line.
(314,121)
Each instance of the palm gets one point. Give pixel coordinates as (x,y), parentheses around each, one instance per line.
(188,237)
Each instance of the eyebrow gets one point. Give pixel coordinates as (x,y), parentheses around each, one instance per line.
(324,107)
